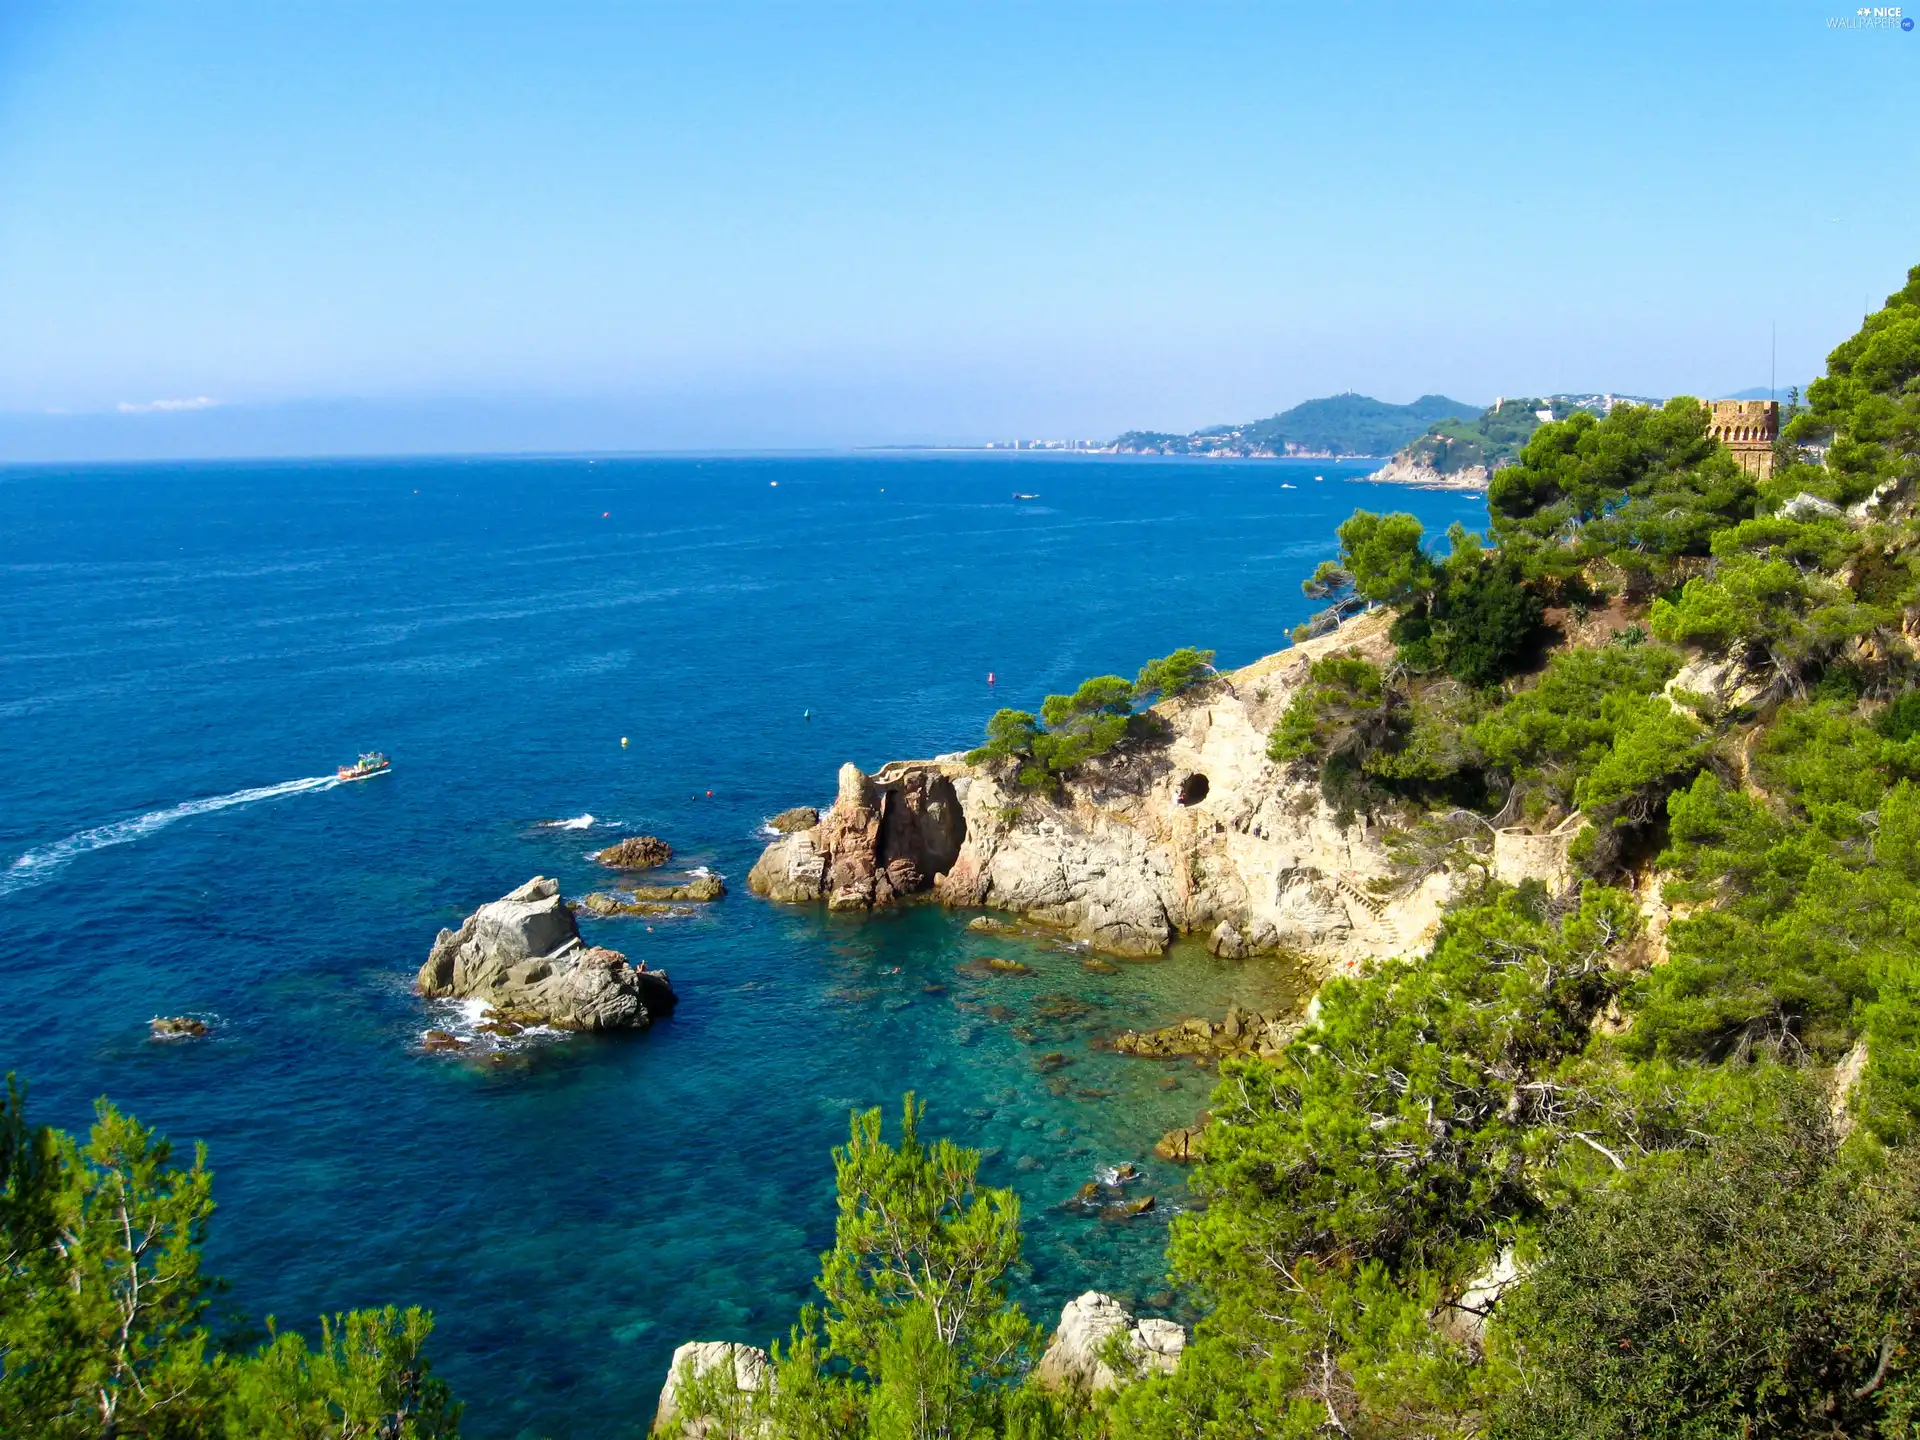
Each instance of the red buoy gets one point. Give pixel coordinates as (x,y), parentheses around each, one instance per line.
(989,677)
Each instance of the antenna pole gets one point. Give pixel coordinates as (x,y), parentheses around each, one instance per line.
(1773,359)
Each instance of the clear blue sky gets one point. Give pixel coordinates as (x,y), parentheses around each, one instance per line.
(836,223)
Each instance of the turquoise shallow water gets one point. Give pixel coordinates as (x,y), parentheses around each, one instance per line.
(174,636)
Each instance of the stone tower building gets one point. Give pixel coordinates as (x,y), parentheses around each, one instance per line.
(1748,428)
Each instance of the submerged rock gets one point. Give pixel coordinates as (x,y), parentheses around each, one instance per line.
(176,1027)
(598,902)
(1075,1358)
(636,852)
(752,1372)
(441,1040)
(523,955)
(700,889)
(1182,1146)
(1241,1033)
(654,899)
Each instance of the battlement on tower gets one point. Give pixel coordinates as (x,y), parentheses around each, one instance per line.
(1748,428)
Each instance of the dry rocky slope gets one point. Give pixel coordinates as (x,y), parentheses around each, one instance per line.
(1198,835)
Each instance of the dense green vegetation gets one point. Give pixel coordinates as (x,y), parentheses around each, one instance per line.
(916,1336)
(1601,1164)
(1040,751)
(1336,425)
(105,1326)
(1791,1312)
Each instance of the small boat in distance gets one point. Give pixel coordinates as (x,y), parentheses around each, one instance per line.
(1022,495)
(371,763)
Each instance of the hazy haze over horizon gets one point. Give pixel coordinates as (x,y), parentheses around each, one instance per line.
(307,228)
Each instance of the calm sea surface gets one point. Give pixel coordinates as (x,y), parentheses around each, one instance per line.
(175,637)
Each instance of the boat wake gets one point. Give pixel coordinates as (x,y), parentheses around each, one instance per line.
(38,866)
(578,822)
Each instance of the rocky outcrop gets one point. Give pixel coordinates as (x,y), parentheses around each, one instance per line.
(752,1373)
(1243,1032)
(636,852)
(1075,1358)
(1197,833)
(1465,1316)
(888,837)
(176,1027)
(800,817)
(523,955)
(1406,469)
(1844,1084)
(1723,686)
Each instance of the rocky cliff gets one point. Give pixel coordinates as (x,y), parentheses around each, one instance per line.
(523,955)
(1196,833)
(1409,469)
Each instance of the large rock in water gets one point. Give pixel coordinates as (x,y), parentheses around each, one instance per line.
(523,955)
(1075,1358)
(887,837)
(752,1372)
(800,817)
(636,852)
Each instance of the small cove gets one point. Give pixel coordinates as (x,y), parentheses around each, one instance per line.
(176,633)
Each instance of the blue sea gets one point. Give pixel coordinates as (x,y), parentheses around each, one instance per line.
(182,646)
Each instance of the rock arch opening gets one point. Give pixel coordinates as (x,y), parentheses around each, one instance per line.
(1193,789)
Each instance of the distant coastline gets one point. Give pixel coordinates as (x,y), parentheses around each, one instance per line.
(1041,448)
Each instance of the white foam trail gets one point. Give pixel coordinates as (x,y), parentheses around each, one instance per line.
(579,822)
(37,866)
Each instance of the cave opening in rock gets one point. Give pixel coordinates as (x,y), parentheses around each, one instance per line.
(1193,789)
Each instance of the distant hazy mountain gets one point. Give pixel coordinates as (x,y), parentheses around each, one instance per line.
(1338,425)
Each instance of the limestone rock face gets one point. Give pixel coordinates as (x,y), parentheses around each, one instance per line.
(1729,685)
(752,1372)
(1075,1358)
(1134,851)
(1465,1317)
(1520,856)
(885,839)
(523,955)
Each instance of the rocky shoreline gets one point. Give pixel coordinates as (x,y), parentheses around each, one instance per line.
(1195,834)
(1403,469)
